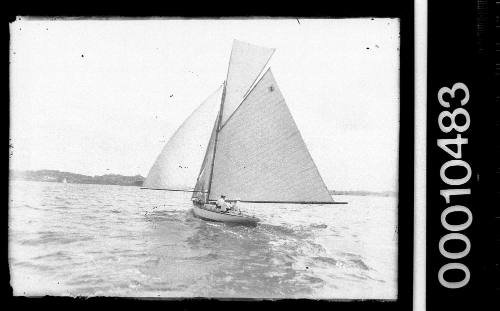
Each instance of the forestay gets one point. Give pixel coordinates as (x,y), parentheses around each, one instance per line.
(178,165)
(245,65)
(260,155)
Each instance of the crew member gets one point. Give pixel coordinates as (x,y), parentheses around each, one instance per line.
(221,203)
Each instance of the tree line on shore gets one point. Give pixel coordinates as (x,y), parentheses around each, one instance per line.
(68,177)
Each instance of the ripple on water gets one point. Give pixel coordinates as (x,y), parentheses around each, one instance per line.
(50,238)
(327,260)
(59,255)
(360,263)
(36,266)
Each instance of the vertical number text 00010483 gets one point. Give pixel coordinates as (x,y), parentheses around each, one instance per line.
(451,118)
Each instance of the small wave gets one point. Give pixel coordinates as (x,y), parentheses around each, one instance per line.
(313,280)
(56,255)
(209,256)
(40,267)
(54,238)
(65,206)
(89,217)
(285,232)
(32,207)
(152,261)
(319,226)
(356,261)
(93,290)
(91,280)
(360,263)
(327,260)
(357,276)
(165,214)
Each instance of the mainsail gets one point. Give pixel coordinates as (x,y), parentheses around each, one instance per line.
(178,165)
(260,155)
(245,65)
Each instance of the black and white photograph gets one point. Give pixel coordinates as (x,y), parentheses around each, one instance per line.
(218,158)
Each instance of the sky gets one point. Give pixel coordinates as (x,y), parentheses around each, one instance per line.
(103,96)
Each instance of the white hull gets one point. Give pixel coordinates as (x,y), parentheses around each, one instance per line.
(224,217)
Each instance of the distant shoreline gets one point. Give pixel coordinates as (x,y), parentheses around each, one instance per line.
(72,178)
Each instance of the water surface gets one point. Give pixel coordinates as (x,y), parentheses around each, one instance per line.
(81,240)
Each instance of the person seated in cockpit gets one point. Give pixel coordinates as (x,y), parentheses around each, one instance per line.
(222,205)
(235,207)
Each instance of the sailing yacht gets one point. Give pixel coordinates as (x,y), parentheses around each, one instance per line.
(241,142)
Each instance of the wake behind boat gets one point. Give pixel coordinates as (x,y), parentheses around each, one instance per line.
(255,152)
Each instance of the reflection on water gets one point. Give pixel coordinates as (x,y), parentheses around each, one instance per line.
(79,240)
